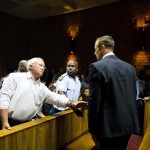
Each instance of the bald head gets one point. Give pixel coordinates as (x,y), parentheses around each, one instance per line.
(22,67)
(72,68)
(73,61)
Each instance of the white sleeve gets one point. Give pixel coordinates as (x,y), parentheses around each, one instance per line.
(7,90)
(55,99)
(61,85)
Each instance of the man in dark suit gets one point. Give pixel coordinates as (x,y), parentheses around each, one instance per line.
(112,110)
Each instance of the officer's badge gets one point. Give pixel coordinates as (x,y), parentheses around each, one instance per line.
(61,78)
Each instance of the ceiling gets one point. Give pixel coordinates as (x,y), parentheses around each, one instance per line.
(38,9)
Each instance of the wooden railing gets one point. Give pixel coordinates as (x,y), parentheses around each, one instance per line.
(49,133)
(146,115)
(145,144)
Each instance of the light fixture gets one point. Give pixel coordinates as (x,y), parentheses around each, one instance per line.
(73,31)
(147,20)
(141,21)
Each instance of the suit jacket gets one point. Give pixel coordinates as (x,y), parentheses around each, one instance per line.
(112,101)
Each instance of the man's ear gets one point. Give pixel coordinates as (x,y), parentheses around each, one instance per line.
(30,67)
(102,47)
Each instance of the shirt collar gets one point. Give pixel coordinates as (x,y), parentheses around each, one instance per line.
(76,77)
(108,54)
(29,75)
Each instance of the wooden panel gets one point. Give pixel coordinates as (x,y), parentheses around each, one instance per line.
(145,145)
(146,115)
(49,133)
(70,127)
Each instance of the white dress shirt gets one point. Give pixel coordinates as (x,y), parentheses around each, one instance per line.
(70,86)
(24,96)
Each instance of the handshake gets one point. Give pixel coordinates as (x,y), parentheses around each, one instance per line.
(78,107)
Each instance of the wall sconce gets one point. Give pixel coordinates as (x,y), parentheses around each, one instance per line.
(141,21)
(73,31)
(147,20)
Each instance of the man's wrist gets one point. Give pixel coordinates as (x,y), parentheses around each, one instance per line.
(70,103)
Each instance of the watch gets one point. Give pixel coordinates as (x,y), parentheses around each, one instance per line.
(70,104)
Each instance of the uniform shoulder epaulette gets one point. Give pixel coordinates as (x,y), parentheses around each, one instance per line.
(61,77)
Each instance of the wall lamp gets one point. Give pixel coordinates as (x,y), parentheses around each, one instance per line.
(141,21)
(73,31)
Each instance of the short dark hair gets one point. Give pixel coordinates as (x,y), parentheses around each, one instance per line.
(106,40)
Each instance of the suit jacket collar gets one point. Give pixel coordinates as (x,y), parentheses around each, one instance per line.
(110,56)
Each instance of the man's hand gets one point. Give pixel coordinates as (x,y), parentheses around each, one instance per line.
(78,112)
(4,119)
(146,98)
(6,126)
(78,104)
(75,106)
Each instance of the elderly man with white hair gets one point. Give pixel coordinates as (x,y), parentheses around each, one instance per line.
(22,95)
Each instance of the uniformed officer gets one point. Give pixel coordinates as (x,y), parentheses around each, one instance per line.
(68,84)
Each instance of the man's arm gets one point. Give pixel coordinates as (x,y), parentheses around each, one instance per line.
(61,93)
(77,111)
(78,104)
(94,101)
(7,90)
(61,100)
(4,119)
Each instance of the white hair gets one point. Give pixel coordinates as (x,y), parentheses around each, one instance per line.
(32,61)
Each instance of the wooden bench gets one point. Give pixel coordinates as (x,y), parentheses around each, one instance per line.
(48,133)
